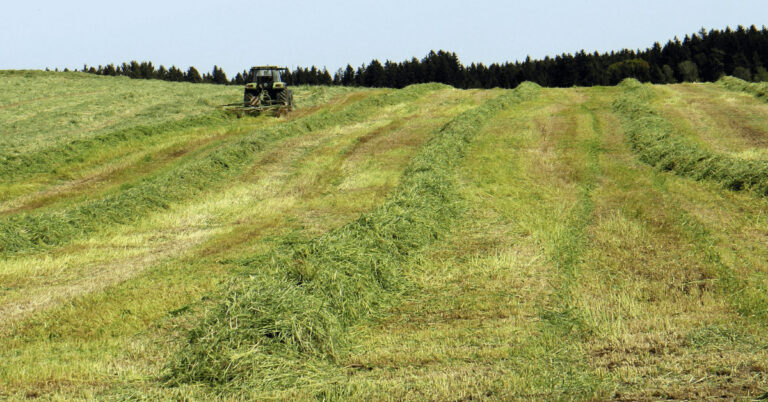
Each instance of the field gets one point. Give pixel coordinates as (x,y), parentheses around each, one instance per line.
(422,243)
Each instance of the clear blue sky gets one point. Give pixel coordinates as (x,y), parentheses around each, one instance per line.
(238,34)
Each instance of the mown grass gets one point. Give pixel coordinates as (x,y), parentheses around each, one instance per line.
(43,110)
(657,275)
(550,262)
(64,127)
(299,299)
(758,90)
(493,315)
(723,122)
(577,273)
(655,140)
(134,275)
(26,231)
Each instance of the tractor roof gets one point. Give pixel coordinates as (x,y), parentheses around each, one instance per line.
(268,68)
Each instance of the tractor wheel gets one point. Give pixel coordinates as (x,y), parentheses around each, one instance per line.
(283,97)
(286,98)
(250,99)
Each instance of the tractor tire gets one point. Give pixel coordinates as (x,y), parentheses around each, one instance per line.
(286,98)
(250,99)
(283,97)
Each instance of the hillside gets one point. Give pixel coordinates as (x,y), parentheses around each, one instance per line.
(421,243)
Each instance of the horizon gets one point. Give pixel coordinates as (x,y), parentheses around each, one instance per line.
(332,35)
(465,64)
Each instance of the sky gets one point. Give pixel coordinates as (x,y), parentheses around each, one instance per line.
(238,34)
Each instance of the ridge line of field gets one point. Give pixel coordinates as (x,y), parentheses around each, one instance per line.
(299,299)
(29,231)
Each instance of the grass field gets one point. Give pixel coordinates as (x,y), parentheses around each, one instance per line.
(423,243)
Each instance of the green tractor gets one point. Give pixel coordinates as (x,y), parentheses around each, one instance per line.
(265,90)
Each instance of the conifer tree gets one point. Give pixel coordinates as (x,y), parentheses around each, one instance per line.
(193,75)
(348,79)
(218,76)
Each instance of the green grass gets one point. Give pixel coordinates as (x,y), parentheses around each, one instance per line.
(758,90)
(657,143)
(73,126)
(24,231)
(425,243)
(302,297)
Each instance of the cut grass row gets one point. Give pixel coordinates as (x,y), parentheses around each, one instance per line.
(16,167)
(655,140)
(758,90)
(122,165)
(300,299)
(654,288)
(108,129)
(99,167)
(570,270)
(30,231)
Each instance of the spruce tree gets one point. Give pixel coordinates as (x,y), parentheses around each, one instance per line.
(193,75)
(218,76)
(348,79)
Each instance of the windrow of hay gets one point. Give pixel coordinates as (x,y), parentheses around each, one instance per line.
(653,138)
(29,231)
(297,302)
(15,167)
(759,90)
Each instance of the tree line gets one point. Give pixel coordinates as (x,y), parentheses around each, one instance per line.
(704,56)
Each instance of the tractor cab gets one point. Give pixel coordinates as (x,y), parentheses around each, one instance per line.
(266,74)
(266,77)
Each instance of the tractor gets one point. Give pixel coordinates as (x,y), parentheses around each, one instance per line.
(265,90)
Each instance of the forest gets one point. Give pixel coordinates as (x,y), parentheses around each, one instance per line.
(703,56)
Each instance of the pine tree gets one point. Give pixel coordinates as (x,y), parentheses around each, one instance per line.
(175,74)
(110,70)
(162,73)
(374,74)
(348,79)
(325,77)
(218,76)
(193,75)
